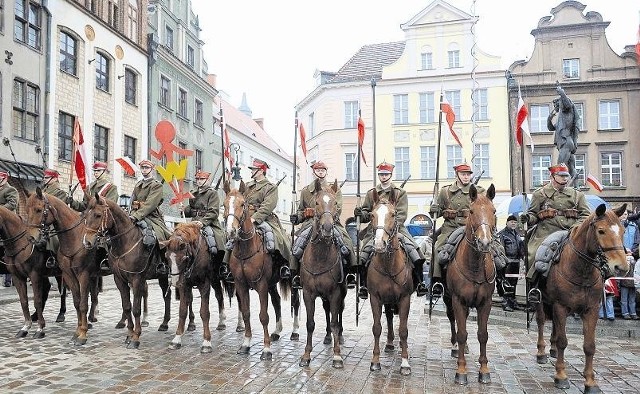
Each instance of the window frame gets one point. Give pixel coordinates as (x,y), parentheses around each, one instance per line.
(402,161)
(453,58)
(191,57)
(609,115)
(483,104)
(607,176)
(65,135)
(168,41)
(100,143)
(165,94)
(130,86)
(350,163)
(453,97)
(426,61)
(25,25)
(482,159)
(401,109)
(26,108)
(541,167)
(454,157)
(103,69)
(130,145)
(68,61)
(427,105)
(537,118)
(351,114)
(183,105)
(428,162)
(198,113)
(571,68)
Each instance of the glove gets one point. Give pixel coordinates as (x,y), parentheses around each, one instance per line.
(434,208)
(357,212)
(309,213)
(133,219)
(293,219)
(68,200)
(524,218)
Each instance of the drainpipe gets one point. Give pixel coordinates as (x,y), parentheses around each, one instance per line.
(47,88)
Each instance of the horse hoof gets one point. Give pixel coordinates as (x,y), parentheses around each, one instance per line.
(266,356)
(80,341)
(337,364)
(405,371)
(59,319)
(133,345)
(22,334)
(175,346)
(163,327)
(89,326)
(304,363)
(374,367)
(120,325)
(38,335)
(243,350)
(144,323)
(592,390)
(206,349)
(294,337)
(191,327)
(274,337)
(562,384)
(461,378)
(327,340)
(454,353)
(484,378)
(553,353)
(239,328)
(127,340)
(221,327)
(92,319)
(389,348)
(542,359)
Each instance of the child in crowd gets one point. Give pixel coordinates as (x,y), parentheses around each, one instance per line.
(628,293)
(610,291)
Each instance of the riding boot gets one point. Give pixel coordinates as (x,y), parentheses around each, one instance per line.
(437,289)
(421,287)
(295,282)
(225,273)
(363,293)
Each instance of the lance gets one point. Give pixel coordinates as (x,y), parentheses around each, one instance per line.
(7,142)
(358,205)
(434,215)
(343,182)
(222,146)
(405,181)
(295,296)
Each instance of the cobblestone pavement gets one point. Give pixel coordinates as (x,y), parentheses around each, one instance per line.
(105,365)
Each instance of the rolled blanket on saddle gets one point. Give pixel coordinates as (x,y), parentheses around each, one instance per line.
(549,251)
(448,250)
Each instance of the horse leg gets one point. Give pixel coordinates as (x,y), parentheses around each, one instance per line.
(83,304)
(21,288)
(263,293)
(589,347)
(44,287)
(452,324)
(276,300)
(163,281)
(388,314)
(404,305)
(541,356)
(295,308)
(327,314)
(94,288)
(561,380)
(461,311)
(222,317)
(376,310)
(192,316)
(334,307)
(242,294)
(310,306)
(62,289)
(137,286)
(205,315)
(125,299)
(484,376)
(145,306)
(185,297)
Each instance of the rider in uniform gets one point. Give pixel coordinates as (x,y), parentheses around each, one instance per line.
(51,186)
(9,200)
(304,216)
(554,207)
(100,185)
(453,205)
(385,170)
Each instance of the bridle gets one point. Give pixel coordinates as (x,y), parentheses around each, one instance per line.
(391,233)
(251,233)
(317,218)
(473,241)
(189,256)
(103,230)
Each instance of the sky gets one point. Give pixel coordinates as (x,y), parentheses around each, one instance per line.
(271,49)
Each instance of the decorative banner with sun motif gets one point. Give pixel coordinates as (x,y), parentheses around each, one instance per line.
(175,172)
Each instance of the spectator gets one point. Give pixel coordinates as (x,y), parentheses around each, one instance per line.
(631,237)
(610,291)
(628,293)
(507,279)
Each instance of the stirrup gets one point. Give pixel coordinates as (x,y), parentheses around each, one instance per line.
(51,262)
(104,265)
(363,293)
(508,288)
(285,272)
(162,269)
(351,281)
(421,289)
(534,296)
(295,282)
(437,290)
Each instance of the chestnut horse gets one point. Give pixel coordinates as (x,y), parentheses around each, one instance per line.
(131,262)
(390,281)
(192,266)
(321,271)
(252,267)
(470,280)
(574,286)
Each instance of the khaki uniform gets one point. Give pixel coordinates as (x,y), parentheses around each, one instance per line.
(102,186)
(9,197)
(204,207)
(146,198)
(53,189)
(452,204)
(547,197)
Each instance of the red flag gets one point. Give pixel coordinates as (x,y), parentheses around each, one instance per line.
(303,140)
(227,147)
(361,138)
(594,182)
(128,165)
(450,116)
(522,124)
(80,162)
(638,47)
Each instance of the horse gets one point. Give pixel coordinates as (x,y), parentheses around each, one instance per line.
(470,282)
(321,271)
(131,262)
(76,261)
(252,267)
(574,286)
(191,264)
(390,280)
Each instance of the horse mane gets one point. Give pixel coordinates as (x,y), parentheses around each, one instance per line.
(189,232)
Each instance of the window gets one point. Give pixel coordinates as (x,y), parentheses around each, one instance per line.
(402,169)
(571,68)
(28,22)
(65,135)
(609,114)
(183,146)
(130,148)
(428,162)
(26,110)
(483,104)
(102,72)
(182,102)
(481,159)
(401,109)
(168,39)
(454,157)
(197,158)
(538,115)
(580,113)
(350,163)
(426,61)
(611,164)
(454,58)
(112,13)
(540,170)
(165,92)
(198,113)
(100,143)
(191,56)
(311,125)
(427,107)
(350,114)
(453,97)
(130,86)
(132,15)
(68,59)
(581,176)
(1,16)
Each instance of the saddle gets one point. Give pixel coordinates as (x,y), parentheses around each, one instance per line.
(549,251)
(448,250)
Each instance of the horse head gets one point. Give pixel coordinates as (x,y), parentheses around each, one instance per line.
(604,239)
(326,208)
(383,221)
(182,248)
(235,210)
(40,215)
(481,222)
(98,221)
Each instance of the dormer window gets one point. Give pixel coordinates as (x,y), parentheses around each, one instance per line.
(571,68)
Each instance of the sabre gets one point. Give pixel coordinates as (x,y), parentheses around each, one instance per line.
(7,142)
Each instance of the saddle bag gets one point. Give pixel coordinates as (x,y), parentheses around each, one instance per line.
(448,250)
(337,236)
(409,247)
(301,242)
(269,238)
(549,251)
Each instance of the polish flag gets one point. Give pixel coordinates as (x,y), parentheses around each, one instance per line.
(361,138)
(127,165)
(303,140)
(446,108)
(594,182)
(227,147)
(80,156)
(522,123)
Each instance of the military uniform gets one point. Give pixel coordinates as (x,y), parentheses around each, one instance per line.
(146,198)
(9,200)
(204,207)
(52,188)
(101,186)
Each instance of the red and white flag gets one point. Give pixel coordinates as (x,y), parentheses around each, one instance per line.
(80,161)
(450,116)
(638,47)
(522,122)
(361,138)
(128,165)
(303,141)
(227,147)
(594,182)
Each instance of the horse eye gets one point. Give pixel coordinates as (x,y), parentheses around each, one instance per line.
(601,231)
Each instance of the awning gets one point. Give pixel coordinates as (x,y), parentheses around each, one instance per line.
(26,171)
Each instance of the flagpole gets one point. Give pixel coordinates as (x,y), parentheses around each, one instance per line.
(222,146)
(373,131)
(76,125)
(294,195)
(358,205)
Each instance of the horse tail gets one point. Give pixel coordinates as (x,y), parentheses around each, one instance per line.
(285,288)
(229,289)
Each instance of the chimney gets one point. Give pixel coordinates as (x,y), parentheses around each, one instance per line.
(260,122)
(212,79)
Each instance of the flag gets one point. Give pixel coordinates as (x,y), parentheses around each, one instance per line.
(128,165)
(522,123)
(450,116)
(361,138)
(303,141)
(594,182)
(80,156)
(638,46)
(227,147)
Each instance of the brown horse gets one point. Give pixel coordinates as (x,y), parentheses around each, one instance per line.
(574,285)
(389,277)
(252,267)
(76,262)
(192,266)
(131,262)
(470,280)
(321,271)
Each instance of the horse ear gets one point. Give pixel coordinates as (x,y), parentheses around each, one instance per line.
(39,192)
(335,187)
(226,187)
(242,187)
(601,209)
(620,210)
(491,192)
(473,192)
(374,195)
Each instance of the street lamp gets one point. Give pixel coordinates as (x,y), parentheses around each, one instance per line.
(124,200)
(235,170)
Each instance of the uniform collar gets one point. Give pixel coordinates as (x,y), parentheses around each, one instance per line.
(549,190)
(456,186)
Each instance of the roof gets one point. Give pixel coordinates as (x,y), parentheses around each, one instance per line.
(369,61)
(22,170)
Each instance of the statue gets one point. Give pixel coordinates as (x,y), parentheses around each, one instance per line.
(566,129)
